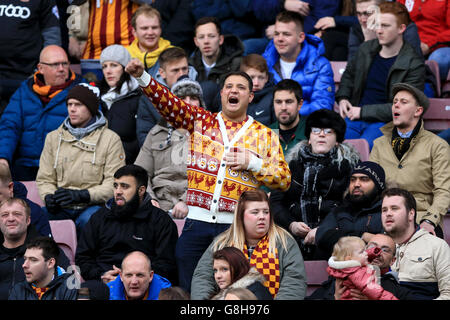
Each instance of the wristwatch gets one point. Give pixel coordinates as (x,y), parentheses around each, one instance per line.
(428,221)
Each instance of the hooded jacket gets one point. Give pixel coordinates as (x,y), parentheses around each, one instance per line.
(253,281)
(317,186)
(107,238)
(88,163)
(26,122)
(117,289)
(359,277)
(57,290)
(312,71)
(165,163)
(229,59)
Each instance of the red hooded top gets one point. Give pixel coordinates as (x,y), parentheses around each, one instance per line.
(359,277)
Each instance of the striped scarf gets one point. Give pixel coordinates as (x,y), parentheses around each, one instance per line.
(47,93)
(39,291)
(266,263)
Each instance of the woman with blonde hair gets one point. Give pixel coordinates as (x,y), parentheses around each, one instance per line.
(269,249)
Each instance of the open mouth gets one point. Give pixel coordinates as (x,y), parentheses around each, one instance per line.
(233,100)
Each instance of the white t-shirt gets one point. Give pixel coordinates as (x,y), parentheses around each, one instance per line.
(287,68)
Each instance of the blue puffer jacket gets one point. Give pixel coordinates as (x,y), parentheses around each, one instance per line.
(26,122)
(313,72)
(117,290)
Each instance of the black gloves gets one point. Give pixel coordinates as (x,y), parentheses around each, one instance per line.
(64,197)
(51,204)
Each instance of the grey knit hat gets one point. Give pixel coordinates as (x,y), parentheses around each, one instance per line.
(187,87)
(116,53)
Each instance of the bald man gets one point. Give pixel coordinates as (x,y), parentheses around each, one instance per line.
(389,279)
(136,280)
(37,107)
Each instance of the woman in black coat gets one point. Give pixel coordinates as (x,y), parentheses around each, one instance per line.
(320,168)
(120,96)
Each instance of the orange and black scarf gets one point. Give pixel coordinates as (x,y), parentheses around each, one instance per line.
(267,264)
(45,92)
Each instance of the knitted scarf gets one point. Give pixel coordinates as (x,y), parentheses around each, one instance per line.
(47,93)
(401,145)
(148,58)
(266,263)
(309,198)
(39,291)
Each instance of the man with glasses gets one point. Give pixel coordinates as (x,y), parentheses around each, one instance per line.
(388,278)
(360,212)
(364,94)
(35,109)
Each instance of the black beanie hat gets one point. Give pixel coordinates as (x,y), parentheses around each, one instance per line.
(86,94)
(324,118)
(374,171)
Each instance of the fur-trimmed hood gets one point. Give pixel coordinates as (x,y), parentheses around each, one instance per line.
(251,277)
(343,151)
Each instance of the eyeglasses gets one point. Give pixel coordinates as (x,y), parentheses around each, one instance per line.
(364,13)
(326,131)
(384,249)
(56,64)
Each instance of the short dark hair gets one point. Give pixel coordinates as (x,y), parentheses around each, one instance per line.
(408,198)
(171,54)
(237,73)
(239,265)
(290,16)
(291,86)
(49,247)
(205,20)
(135,171)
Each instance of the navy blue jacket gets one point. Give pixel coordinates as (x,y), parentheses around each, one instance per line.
(312,71)
(26,122)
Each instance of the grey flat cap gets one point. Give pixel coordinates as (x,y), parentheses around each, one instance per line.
(421,98)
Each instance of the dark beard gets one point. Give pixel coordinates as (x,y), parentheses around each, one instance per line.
(365,200)
(128,209)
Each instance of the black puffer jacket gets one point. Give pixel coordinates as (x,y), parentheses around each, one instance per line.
(348,220)
(106,239)
(229,60)
(122,120)
(58,289)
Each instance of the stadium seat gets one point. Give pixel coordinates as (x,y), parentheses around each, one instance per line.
(447,228)
(362,146)
(65,234)
(316,274)
(435,69)
(33,193)
(437,117)
(338,70)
